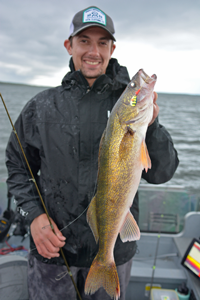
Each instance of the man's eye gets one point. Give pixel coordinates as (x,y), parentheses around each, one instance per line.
(103,43)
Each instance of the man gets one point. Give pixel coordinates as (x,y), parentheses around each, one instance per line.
(60,130)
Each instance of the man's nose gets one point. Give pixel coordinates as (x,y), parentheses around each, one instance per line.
(94,49)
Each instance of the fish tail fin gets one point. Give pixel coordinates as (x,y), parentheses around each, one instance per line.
(103,275)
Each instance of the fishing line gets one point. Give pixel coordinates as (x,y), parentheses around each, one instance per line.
(137,92)
(40,196)
(44,227)
(70,222)
(75,219)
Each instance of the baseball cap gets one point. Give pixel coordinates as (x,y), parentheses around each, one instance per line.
(91,16)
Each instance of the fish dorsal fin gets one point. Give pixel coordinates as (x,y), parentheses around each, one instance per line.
(145,159)
(130,230)
(92,219)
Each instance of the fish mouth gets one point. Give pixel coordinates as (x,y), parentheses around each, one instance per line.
(147,84)
(146,78)
(143,99)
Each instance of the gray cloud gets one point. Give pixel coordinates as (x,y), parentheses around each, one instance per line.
(32,32)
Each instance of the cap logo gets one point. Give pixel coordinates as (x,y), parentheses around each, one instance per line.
(94,15)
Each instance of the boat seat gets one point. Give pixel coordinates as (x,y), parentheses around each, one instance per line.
(13,277)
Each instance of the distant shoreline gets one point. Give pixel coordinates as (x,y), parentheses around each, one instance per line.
(25,84)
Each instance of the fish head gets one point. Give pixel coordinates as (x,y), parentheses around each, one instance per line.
(136,103)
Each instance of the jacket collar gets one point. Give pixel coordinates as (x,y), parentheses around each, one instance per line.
(115,75)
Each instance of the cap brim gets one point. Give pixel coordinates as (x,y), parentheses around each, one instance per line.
(92,25)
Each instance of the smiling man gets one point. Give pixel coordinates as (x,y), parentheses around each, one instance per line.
(60,130)
(91,50)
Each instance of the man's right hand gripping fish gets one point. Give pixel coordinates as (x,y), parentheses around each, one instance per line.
(122,157)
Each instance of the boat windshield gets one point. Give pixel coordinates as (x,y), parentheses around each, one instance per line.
(163,208)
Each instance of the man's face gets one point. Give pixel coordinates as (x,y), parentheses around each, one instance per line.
(91,50)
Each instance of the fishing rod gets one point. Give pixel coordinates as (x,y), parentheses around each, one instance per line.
(40,196)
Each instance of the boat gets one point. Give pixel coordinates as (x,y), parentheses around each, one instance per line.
(169,221)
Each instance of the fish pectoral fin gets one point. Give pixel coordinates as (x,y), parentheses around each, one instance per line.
(145,159)
(130,230)
(92,219)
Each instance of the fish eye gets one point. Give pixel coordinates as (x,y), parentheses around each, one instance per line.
(132,84)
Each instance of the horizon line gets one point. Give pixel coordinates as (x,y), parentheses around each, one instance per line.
(48,86)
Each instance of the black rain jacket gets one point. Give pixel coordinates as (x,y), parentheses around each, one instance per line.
(60,130)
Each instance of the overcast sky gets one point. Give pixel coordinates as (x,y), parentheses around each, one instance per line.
(162,37)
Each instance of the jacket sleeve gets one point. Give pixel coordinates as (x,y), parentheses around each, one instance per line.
(19,181)
(163,155)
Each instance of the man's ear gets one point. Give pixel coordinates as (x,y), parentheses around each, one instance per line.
(68,46)
(113,48)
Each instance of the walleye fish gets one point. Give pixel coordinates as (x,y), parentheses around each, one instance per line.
(122,157)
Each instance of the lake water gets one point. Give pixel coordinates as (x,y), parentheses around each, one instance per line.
(180,114)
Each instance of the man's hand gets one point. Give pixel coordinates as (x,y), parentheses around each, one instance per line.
(155,108)
(47,243)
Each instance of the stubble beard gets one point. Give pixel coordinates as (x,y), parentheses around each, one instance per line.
(89,75)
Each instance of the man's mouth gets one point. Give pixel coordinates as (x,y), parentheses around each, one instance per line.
(92,62)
